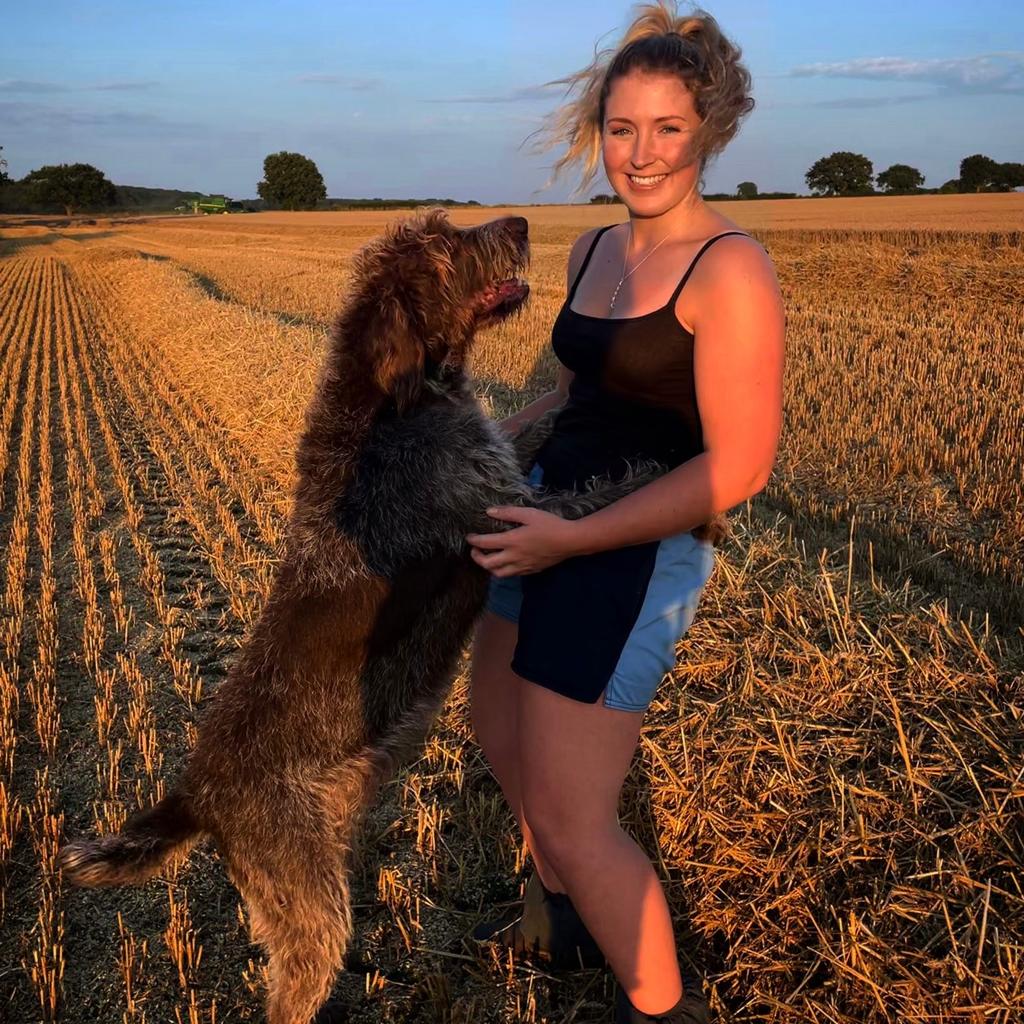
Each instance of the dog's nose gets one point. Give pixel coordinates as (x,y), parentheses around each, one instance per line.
(518,226)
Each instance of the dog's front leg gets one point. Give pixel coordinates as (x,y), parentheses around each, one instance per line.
(603,492)
(574,504)
(528,440)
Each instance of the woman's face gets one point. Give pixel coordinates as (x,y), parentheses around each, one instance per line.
(649,121)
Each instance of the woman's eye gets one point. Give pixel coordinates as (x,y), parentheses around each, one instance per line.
(666,127)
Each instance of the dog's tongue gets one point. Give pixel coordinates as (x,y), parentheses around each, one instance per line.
(504,289)
(500,290)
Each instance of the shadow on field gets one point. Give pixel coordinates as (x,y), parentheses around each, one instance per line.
(13,245)
(213,290)
(898,559)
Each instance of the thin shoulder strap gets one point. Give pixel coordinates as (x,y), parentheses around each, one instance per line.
(586,260)
(689,270)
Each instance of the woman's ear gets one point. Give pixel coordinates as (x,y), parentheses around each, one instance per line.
(397,355)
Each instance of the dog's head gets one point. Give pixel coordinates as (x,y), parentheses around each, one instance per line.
(424,288)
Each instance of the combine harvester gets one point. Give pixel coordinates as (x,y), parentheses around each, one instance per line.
(211,204)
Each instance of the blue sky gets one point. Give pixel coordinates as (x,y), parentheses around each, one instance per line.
(435,99)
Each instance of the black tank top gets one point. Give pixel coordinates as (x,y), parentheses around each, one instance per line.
(633,393)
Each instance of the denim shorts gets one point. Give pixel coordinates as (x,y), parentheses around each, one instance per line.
(606,623)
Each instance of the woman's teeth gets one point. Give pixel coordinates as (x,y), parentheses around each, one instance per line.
(647,182)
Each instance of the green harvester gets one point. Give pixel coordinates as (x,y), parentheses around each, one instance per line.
(212,204)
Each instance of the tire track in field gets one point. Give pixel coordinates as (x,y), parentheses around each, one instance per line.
(32,945)
(184,575)
(19,318)
(186,495)
(128,581)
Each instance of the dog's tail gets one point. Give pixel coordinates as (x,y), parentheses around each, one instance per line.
(147,841)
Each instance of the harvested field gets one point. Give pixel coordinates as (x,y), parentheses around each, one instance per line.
(831,783)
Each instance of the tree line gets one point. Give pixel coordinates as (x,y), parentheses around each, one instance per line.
(851,174)
(292,181)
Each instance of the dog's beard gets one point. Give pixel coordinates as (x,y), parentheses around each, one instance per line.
(499,300)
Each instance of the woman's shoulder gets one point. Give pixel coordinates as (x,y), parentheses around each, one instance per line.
(580,248)
(734,265)
(731,248)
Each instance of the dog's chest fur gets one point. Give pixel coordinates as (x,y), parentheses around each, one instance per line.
(423,480)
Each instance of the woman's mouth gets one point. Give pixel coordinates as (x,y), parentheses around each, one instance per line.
(645,182)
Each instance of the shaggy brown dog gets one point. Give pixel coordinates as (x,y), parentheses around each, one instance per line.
(371,604)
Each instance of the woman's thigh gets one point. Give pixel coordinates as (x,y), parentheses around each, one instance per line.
(573,758)
(494,687)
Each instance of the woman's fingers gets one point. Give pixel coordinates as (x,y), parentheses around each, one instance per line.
(488,541)
(498,563)
(490,562)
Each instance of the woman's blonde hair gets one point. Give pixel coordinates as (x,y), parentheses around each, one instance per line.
(659,39)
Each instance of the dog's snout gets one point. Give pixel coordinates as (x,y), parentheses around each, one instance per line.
(517,226)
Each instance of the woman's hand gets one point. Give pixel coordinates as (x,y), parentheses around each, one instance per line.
(542,540)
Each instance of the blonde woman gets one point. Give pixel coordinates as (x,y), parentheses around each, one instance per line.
(671,343)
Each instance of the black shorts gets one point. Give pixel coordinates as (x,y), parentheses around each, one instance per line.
(607,622)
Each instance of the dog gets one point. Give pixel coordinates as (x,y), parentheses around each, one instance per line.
(371,604)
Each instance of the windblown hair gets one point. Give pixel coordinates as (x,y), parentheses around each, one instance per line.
(658,40)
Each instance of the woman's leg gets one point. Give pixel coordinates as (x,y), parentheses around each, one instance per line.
(573,758)
(494,703)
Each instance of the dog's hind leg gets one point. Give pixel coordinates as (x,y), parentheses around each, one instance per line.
(304,961)
(301,915)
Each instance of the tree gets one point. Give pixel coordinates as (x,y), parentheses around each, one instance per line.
(1008,176)
(953,185)
(73,186)
(4,179)
(840,174)
(900,178)
(746,190)
(291,181)
(978,173)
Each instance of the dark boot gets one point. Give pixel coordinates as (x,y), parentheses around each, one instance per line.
(692,1007)
(544,924)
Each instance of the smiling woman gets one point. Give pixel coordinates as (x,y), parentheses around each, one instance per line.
(585,616)
(717,85)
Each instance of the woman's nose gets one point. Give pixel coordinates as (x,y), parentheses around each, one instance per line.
(641,155)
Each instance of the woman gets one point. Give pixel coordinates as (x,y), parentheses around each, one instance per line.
(584,616)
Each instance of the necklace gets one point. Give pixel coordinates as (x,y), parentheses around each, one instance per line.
(625,255)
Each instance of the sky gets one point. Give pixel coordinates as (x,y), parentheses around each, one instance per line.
(436,100)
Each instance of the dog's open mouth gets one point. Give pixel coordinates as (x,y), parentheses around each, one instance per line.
(501,298)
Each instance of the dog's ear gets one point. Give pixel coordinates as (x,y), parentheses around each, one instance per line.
(397,353)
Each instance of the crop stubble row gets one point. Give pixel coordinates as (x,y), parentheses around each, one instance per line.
(78,408)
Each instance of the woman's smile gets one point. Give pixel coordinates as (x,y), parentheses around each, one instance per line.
(646,183)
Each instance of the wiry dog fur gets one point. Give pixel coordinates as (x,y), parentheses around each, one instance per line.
(371,604)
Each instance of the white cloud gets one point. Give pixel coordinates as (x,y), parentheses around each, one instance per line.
(343,81)
(128,86)
(998,72)
(26,86)
(22,85)
(56,122)
(525,93)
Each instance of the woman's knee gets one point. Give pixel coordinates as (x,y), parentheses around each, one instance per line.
(567,834)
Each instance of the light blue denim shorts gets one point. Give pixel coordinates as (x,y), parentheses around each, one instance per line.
(606,623)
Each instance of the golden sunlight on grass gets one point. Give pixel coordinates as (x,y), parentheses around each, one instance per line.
(830,783)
